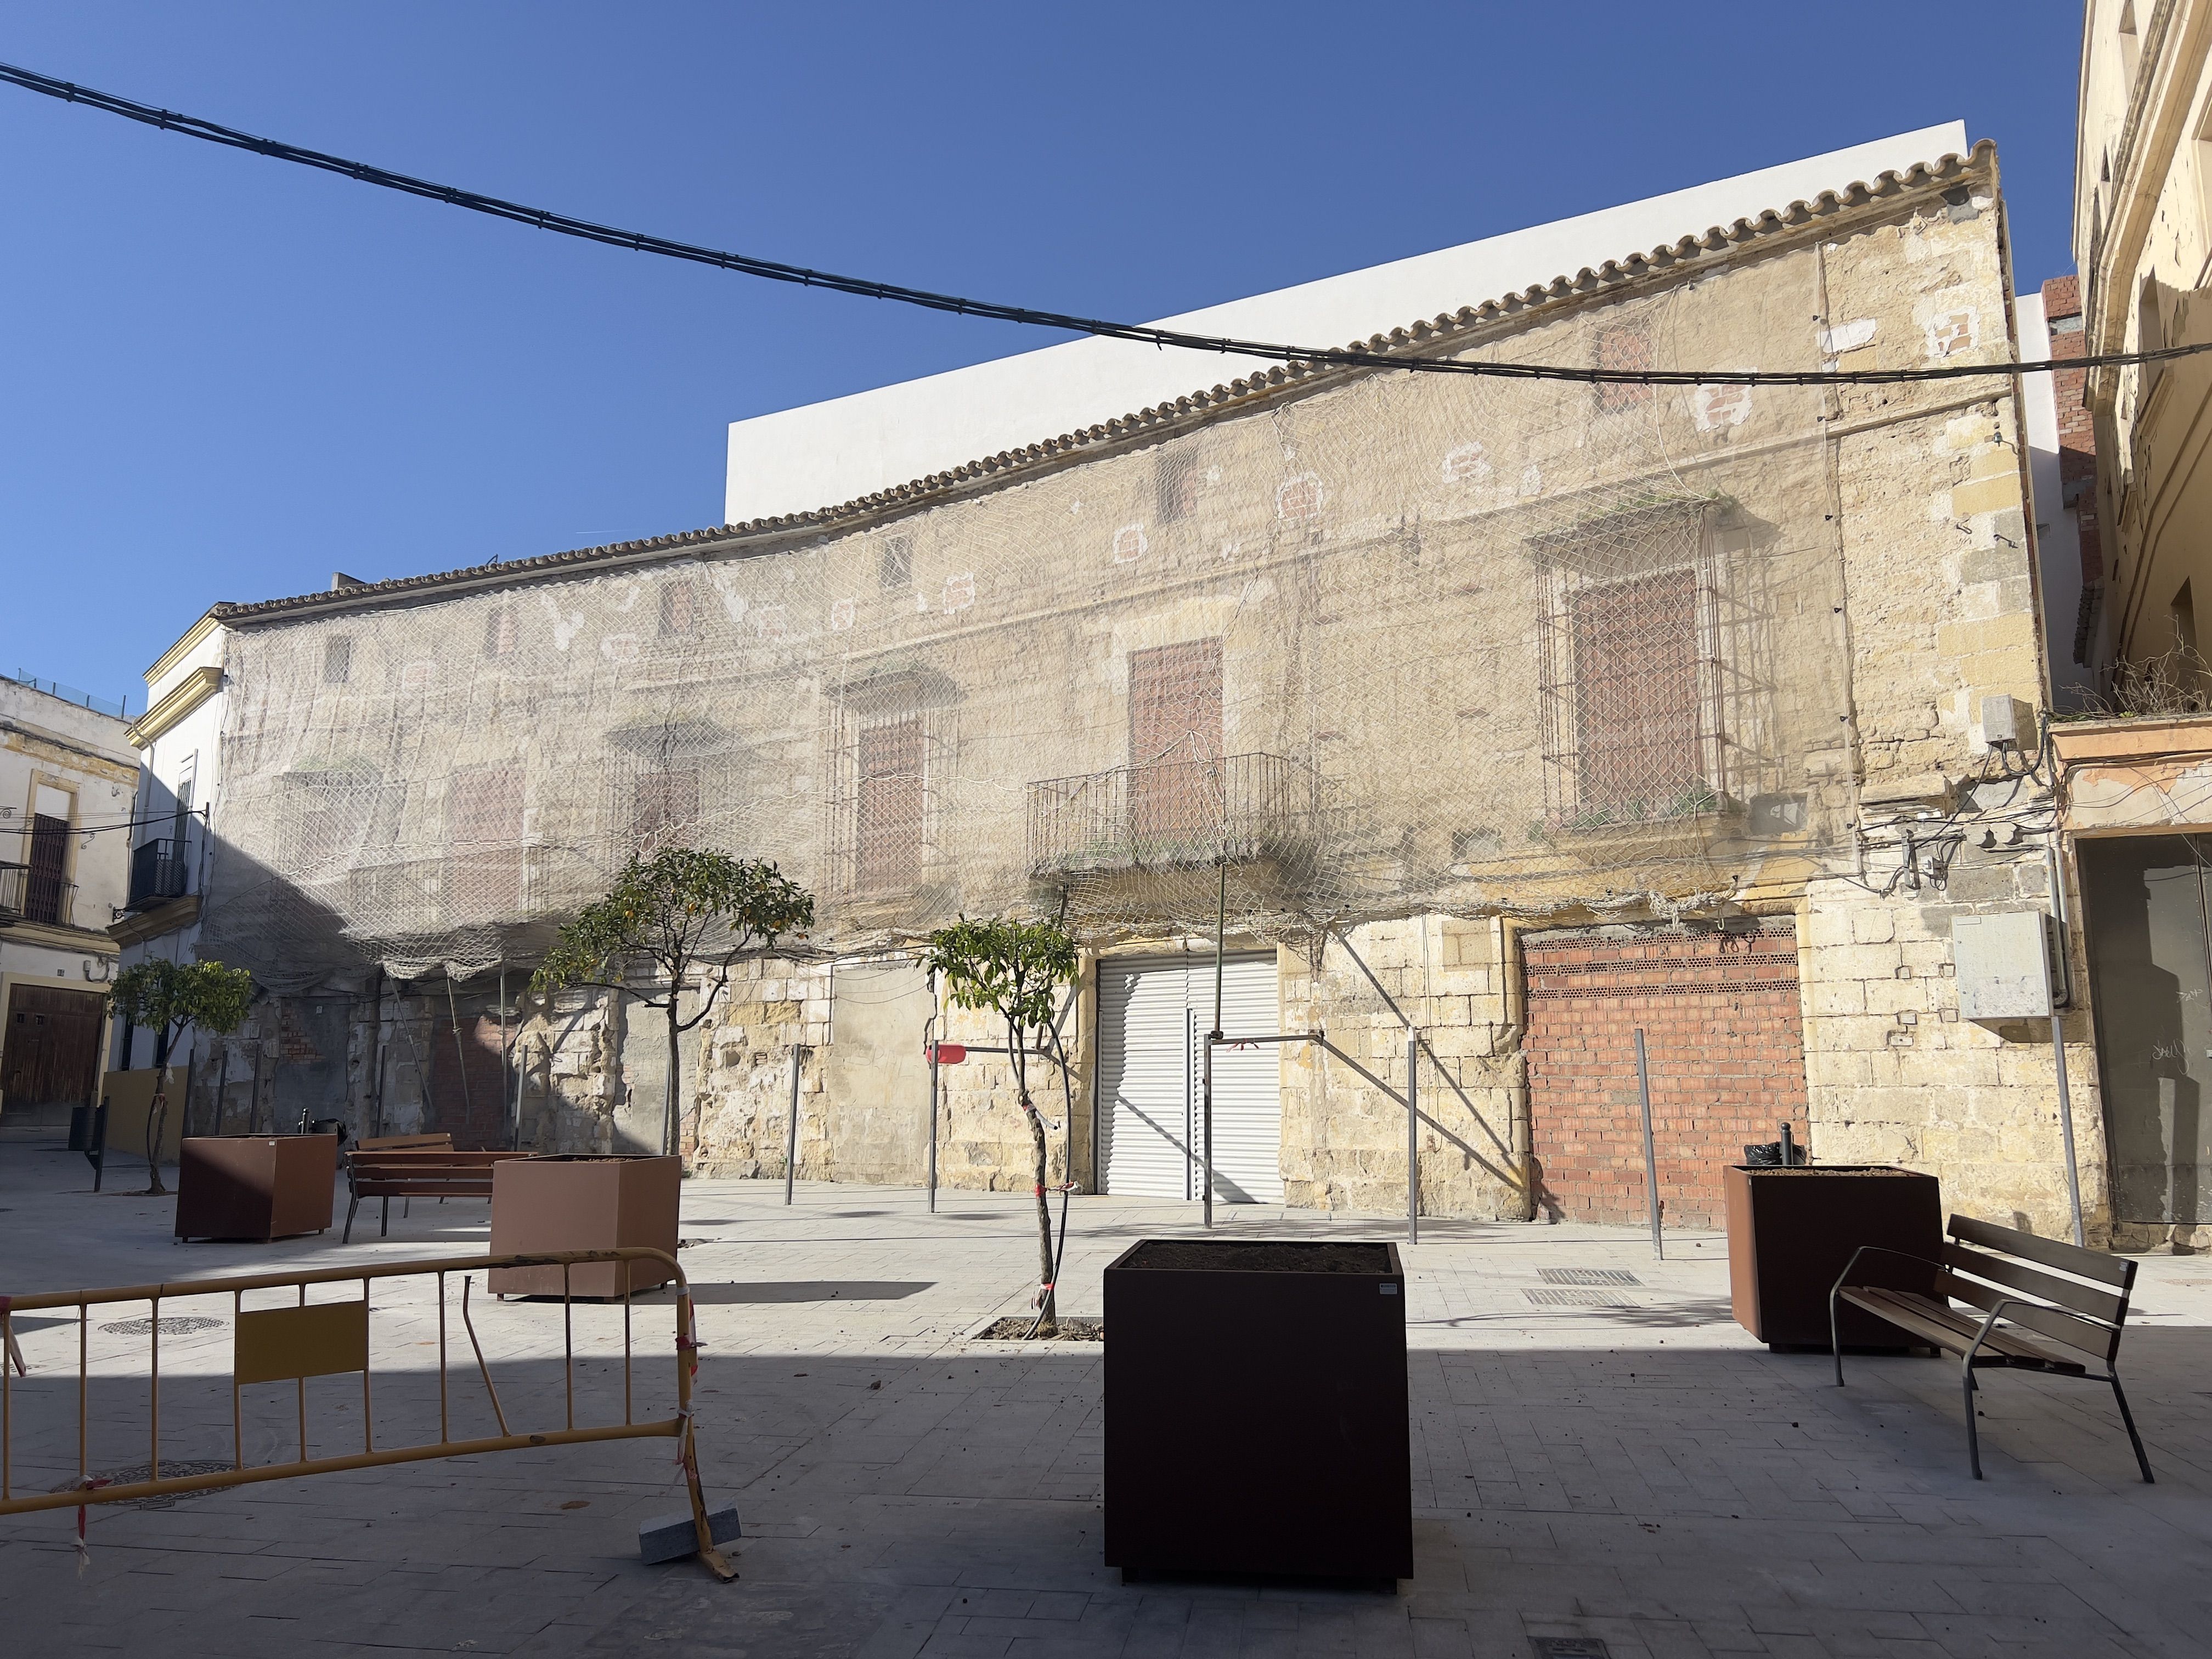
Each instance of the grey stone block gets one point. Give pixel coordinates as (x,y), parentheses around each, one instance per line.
(672,1537)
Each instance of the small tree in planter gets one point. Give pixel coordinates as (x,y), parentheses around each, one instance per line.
(165,997)
(1011,969)
(679,913)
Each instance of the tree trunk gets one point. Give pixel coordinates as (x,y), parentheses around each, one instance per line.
(1048,1323)
(668,1095)
(157,1114)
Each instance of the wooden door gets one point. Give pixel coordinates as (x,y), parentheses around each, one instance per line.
(51,1051)
(1174,740)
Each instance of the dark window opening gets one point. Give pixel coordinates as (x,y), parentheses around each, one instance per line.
(337,660)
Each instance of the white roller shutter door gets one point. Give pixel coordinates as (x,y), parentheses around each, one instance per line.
(1151,1015)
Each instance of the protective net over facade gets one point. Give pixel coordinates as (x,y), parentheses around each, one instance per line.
(1325,647)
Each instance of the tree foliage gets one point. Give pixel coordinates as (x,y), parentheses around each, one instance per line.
(672,916)
(679,910)
(165,997)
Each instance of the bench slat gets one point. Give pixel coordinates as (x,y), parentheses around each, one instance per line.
(1945,1327)
(2071,1293)
(2067,1258)
(2084,1336)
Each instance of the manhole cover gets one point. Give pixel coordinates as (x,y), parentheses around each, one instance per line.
(138,1471)
(1565,1298)
(1587,1276)
(183,1325)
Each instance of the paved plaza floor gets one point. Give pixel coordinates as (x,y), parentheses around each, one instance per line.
(1615,1463)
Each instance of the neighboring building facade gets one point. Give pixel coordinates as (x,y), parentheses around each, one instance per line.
(2063,467)
(1522,713)
(66,777)
(2133,800)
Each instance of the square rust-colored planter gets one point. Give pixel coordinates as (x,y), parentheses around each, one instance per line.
(584,1202)
(255,1187)
(1791,1232)
(1256,1410)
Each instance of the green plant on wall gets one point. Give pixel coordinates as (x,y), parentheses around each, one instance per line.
(165,997)
(680,915)
(1012,970)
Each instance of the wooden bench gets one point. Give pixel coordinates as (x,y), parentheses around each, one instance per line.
(409,1167)
(2018,1317)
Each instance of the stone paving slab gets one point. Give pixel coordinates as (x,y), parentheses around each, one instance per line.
(1641,1474)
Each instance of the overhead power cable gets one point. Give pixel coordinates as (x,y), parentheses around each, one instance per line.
(192,126)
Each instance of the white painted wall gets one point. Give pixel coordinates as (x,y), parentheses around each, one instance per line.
(2057,532)
(822,454)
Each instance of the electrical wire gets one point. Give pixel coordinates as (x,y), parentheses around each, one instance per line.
(191,126)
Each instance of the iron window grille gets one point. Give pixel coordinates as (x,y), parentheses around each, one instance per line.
(1637,675)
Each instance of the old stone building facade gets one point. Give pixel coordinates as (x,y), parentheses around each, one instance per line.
(1493,719)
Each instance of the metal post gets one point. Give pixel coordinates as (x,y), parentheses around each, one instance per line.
(932,1124)
(1413,1136)
(1650,1164)
(1206,1106)
(2066,1127)
(791,1134)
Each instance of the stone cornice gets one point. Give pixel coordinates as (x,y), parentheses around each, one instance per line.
(188,694)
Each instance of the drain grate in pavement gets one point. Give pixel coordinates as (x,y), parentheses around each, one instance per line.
(1549,1297)
(1568,1647)
(181,1325)
(138,1471)
(1587,1276)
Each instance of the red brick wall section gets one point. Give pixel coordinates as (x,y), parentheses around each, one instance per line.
(2077,436)
(1725,1035)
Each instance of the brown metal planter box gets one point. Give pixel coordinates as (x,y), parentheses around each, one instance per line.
(255,1187)
(1256,1410)
(1791,1232)
(584,1202)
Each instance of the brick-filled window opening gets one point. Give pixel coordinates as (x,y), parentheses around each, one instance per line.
(895,562)
(664,809)
(1176,485)
(500,632)
(887,832)
(1175,738)
(679,609)
(337,659)
(1623,348)
(1631,671)
(483,836)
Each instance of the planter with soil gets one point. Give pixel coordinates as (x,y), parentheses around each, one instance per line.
(1792,1231)
(1256,1410)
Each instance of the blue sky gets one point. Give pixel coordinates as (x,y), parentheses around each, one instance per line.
(229,377)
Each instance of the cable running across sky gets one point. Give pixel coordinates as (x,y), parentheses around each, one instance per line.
(193,126)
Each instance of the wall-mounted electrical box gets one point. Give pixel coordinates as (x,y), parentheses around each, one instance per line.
(2003,965)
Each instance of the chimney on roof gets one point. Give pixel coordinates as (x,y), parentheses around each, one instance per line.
(340,581)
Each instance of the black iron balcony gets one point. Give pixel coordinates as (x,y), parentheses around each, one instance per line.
(28,894)
(159,872)
(1171,814)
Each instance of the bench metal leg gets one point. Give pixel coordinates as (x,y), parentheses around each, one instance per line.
(1836,1338)
(1973,1440)
(383,1226)
(350,1208)
(2127,1419)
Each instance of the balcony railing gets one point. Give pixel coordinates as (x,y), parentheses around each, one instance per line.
(159,872)
(1241,808)
(29,895)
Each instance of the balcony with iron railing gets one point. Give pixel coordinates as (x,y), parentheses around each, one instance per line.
(28,894)
(159,872)
(1173,814)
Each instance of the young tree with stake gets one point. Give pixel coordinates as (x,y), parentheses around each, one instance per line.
(165,997)
(681,913)
(1011,969)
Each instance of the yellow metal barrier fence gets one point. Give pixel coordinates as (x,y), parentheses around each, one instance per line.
(292,1344)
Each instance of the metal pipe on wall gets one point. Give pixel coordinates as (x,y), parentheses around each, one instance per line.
(1413,1136)
(791,1134)
(1650,1163)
